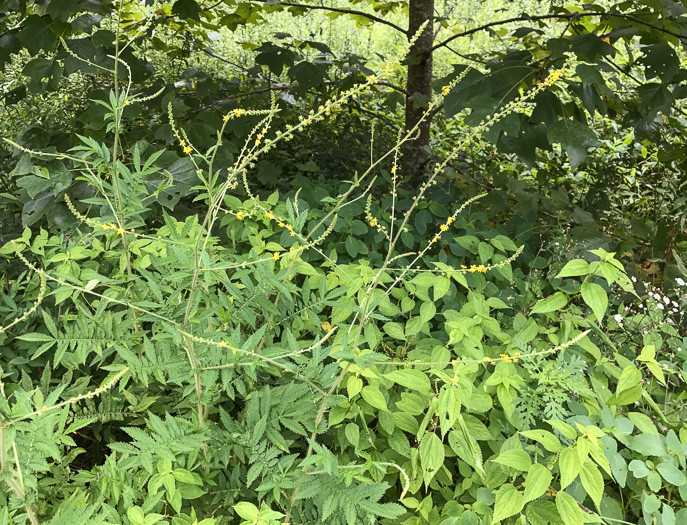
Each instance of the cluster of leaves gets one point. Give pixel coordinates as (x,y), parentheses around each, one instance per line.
(344,351)
(295,366)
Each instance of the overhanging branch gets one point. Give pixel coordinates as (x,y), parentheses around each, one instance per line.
(347,12)
(561,16)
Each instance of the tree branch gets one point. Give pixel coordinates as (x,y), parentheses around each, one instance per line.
(568,16)
(347,12)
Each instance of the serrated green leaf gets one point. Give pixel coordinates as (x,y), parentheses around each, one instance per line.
(509,501)
(550,304)
(592,481)
(410,378)
(537,482)
(515,458)
(574,268)
(431,456)
(596,298)
(569,510)
(441,287)
(546,438)
(570,466)
(395,330)
(374,397)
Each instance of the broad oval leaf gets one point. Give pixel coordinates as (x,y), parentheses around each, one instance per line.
(574,268)
(596,298)
(431,455)
(373,396)
(550,304)
(592,481)
(537,481)
(570,511)
(509,501)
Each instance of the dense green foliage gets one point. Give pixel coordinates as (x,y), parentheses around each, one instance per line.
(223,302)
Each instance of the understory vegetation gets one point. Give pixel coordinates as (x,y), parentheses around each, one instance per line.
(229,297)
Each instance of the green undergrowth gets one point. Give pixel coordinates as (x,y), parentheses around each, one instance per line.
(349,352)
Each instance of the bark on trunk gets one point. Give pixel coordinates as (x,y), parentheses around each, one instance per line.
(419,83)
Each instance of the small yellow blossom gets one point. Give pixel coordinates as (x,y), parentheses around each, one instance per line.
(233,351)
(281,224)
(445,90)
(127,102)
(105,226)
(292,234)
(481,268)
(487,359)
(276,256)
(239,215)
(443,227)
(269,214)
(450,220)
(188,149)
(226,117)
(473,269)
(120,231)
(222,344)
(182,143)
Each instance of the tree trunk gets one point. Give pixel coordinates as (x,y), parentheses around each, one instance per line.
(419,87)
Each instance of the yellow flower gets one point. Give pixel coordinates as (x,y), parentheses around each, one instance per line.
(269,214)
(126,102)
(487,359)
(446,90)
(481,268)
(239,215)
(450,220)
(182,143)
(281,224)
(292,234)
(443,227)
(473,269)
(222,344)
(226,117)
(120,231)
(276,256)
(105,226)
(188,149)
(233,351)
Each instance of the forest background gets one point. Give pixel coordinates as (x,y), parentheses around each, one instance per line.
(413,262)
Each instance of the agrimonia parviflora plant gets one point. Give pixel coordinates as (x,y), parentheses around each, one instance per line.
(239,368)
